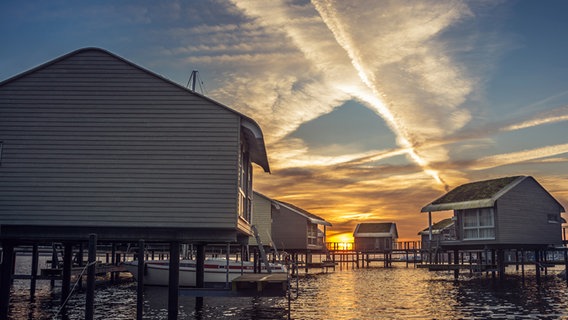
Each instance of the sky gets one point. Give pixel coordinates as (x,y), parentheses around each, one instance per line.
(370,109)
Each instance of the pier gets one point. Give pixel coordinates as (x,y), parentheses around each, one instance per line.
(347,253)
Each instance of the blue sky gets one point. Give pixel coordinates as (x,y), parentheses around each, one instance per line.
(371,109)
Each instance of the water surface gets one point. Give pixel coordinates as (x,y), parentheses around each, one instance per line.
(366,293)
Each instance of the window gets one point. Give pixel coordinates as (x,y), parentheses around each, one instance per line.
(553,218)
(312,233)
(478,224)
(245,185)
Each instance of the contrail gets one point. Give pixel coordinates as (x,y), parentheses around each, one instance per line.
(329,17)
(536,122)
(519,156)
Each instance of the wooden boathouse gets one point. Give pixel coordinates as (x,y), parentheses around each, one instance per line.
(489,217)
(95,149)
(293,230)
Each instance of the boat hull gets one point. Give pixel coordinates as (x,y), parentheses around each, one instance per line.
(156,273)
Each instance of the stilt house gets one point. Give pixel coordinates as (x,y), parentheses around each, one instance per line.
(440,231)
(262,219)
(91,143)
(514,212)
(375,237)
(295,229)
(94,143)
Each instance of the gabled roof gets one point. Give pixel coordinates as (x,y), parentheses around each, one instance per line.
(481,194)
(376,229)
(251,129)
(438,227)
(311,217)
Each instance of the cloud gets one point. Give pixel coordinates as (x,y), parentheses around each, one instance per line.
(520,156)
(551,116)
(387,55)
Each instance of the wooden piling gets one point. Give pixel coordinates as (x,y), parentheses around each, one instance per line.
(53,262)
(523,264)
(66,273)
(537,265)
(113,275)
(33,273)
(91,268)
(200,274)
(501,264)
(140,284)
(173,285)
(6,278)
(456,262)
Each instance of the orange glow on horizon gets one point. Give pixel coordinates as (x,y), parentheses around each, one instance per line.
(341,238)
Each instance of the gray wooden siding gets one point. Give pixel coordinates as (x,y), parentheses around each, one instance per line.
(522,216)
(262,219)
(373,243)
(289,230)
(94,141)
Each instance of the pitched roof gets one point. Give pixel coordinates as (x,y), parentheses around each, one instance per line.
(375,229)
(478,194)
(250,128)
(310,216)
(438,226)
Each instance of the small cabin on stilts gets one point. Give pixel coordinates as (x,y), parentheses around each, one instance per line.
(490,217)
(439,231)
(95,149)
(299,232)
(376,238)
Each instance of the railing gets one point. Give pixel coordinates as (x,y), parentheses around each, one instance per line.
(340,246)
(407,245)
(350,246)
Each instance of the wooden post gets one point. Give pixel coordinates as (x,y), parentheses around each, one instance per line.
(537,265)
(523,264)
(173,285)
(113,261)
(6,278)
(200,274)
(91,268)
(493,260)
(566,265)
(80,264)
(456,262)
(33,274)
(306,268)
(501,264)
(66,274)
(53,263)
(140,284)
(545,261)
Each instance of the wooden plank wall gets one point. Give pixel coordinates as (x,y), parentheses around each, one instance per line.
(94,141)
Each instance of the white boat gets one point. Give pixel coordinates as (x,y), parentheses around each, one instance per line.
(156,272)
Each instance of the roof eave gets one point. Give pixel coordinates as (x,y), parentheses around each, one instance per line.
(256,142)
(310,219)
(473,204)
(373,235)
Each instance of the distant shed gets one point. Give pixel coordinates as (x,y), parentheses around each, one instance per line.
(379,237)
(511,211)
(295,229)
(262,219)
